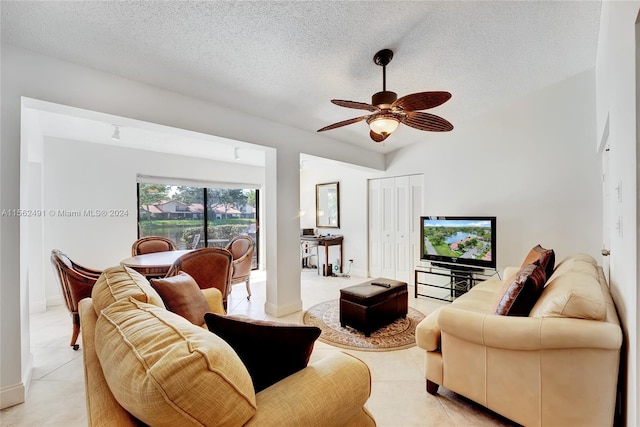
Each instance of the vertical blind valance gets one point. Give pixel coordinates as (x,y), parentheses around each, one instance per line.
(166,180)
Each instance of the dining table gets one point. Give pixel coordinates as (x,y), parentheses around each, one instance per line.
(154,264)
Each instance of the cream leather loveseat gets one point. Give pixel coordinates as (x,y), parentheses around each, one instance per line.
(145,363)
(558,366)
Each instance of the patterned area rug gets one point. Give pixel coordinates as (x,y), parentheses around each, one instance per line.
(396,336)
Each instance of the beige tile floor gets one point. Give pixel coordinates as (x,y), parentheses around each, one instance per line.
(398,398)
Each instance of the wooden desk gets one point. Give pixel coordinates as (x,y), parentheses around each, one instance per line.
(155,264)
(326,242)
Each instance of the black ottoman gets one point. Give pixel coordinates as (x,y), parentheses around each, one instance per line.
(368,307)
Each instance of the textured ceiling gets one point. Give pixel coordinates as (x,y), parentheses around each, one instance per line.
(285,60)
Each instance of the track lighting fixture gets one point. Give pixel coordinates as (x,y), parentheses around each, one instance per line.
(116,133)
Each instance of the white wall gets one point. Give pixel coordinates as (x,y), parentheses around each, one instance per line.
(532,165)
(353,209)
(540,177)
(618,95)
(81,175)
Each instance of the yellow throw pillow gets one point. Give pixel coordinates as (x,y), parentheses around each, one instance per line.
(168,372)
(118,283)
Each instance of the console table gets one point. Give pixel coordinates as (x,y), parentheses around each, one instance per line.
(325,241)
(453,279)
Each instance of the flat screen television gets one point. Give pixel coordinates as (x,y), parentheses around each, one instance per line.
(464,241)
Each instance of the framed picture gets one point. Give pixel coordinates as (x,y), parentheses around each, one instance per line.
(328,205)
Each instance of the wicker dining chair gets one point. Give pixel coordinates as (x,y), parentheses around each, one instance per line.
(150,244)
(242,249)
(209,267)
(76,282)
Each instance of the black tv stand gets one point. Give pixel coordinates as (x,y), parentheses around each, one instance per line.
(448,281)
(458,267)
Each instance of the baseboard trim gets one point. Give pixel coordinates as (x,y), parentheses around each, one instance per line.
(358,273)
(279,311)
(17,393)
(12,395)
(54,300)
(37,307)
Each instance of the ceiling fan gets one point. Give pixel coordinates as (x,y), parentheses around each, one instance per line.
(388,111)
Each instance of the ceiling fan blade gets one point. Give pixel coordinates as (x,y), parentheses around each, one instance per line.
(377,137)
(343,123)
(426,121)
(421,100)
(356,105)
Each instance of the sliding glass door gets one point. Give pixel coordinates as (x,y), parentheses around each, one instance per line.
(181,213)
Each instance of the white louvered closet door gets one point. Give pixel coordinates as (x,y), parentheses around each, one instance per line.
(395,205)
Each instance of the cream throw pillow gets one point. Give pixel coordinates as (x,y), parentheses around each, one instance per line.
(168,372)
(575,266)
(572,294)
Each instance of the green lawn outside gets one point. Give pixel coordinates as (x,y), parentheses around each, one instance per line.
(445,250)
(163,223)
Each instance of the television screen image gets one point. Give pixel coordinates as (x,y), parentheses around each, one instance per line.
(465,241)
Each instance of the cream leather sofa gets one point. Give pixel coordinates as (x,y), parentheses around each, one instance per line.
(144,363)
(556,367)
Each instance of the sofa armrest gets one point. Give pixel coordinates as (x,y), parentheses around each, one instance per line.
(214,299)
(331,391)
(428,332)
(102,407)
(528,333)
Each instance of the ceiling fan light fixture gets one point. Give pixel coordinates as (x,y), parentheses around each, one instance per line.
(384,99)
(384,124)
(387,111)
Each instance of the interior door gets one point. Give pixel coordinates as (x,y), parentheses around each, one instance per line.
(388,225)
(375,269)
(403,229)
(606,212)
(395,204)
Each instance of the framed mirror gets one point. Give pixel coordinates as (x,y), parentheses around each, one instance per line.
(328,205)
